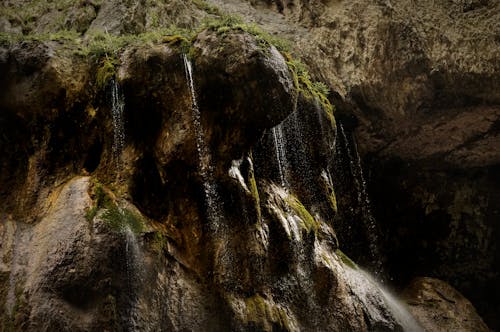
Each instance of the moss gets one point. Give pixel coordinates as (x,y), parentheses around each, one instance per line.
(226,23)
(309,223)
(254,190)
(159,242)
(206,7)
(101,200)
(120,219)
(308,88)
(259,310)
(333,200)
(26,13)
(116,217)
(106,71)
(345,259)
(182,42)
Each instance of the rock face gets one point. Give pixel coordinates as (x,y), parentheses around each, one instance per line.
(418,87)
(218,211)
(181,228)
(440,307)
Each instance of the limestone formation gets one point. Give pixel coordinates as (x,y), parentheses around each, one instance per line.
(236,186)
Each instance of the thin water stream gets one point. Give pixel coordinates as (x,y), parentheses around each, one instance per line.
(280,148)
(133,259)
(204,157)
(364,203)
(117,107)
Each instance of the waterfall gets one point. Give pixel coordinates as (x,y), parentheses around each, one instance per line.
(279,146)
(204,157)
(133,260)
(117,107)
(364,203)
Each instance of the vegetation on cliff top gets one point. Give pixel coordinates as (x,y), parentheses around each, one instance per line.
(106,47)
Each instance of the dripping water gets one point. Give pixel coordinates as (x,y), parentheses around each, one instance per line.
(279,146)
(205,167)
(363,200)
(133,270)
(117,107)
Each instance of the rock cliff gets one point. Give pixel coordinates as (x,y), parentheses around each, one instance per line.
(168,165)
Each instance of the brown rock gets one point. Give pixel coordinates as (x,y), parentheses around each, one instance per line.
(440,307)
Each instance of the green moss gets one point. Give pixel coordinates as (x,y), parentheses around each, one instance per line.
(345,259)
(120,219)
(308,88)
(206,7)
(101,200)
(333,201)
(26,13)
(259,310)
(159,242)
(310,224)
(116,217)
(226,23)
(106,71)
(254,190)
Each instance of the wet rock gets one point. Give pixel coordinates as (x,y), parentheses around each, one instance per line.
(248,84)
(440,307)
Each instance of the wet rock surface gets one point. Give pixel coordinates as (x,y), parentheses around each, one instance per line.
(228,219)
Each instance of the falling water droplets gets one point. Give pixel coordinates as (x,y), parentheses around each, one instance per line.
(206,170)
(279,146)
(364,202)
(117,107)
(133,270)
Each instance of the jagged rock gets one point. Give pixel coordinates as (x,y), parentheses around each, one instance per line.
(440,307)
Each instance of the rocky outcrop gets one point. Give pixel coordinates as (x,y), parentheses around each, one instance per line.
(218,212)
(181,227)
(440,307)
(417,85)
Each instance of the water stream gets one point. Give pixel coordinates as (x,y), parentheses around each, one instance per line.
(363,200)
(280,148)
(204,157)
(117,107)
(133,259)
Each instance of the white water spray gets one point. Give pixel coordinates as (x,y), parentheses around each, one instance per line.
(206,169)
(364,286)
(117,107)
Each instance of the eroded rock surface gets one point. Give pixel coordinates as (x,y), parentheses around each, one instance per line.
(440,307)
(226,222)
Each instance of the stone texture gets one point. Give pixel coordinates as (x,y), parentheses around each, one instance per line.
(440,307)
(416,83)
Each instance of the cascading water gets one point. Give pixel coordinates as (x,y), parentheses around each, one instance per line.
(117,107)
(279,146)
(133,259)
(205,167)
(363,199)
